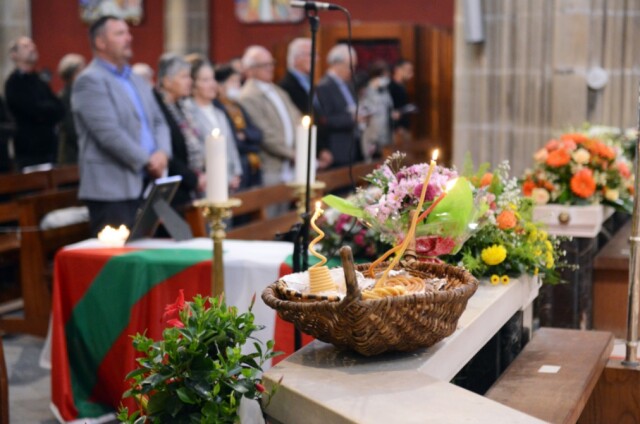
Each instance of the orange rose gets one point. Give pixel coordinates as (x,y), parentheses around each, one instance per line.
(486,179)
(506,220)
(527,187)
(558,158)
(582,183)
(576,137)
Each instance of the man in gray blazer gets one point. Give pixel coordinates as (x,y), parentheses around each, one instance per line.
(123,137)
(273,112)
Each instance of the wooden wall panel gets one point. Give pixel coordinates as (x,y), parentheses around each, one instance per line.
(527,81)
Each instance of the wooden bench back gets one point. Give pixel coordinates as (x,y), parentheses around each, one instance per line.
(36,249)
(13,186)
(340,178)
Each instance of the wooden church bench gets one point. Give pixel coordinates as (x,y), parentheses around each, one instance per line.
(561,396)
(37,247)
(340,179)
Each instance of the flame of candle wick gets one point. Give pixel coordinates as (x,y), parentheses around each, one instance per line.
(215,133)
(434,155)
(306,121)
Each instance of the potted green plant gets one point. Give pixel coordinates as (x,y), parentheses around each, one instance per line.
(197,372)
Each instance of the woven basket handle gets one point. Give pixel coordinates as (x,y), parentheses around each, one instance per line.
(353,291)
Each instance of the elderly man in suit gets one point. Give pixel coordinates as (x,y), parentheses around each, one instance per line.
(272,112)
(123,137)
(296,81)
(336,105)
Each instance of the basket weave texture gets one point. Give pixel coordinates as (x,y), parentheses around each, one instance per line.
(372,327)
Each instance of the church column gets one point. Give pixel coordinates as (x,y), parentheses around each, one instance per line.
(542,67)
(186,26)
(15,20)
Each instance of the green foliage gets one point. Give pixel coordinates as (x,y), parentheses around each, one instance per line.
(197,373)
(507,226)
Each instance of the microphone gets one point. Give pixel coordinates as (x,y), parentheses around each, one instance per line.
(313,5)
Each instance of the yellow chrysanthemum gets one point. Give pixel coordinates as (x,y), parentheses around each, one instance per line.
(495,279)
(533,235)
(537,252)
(548,245)
(494,255)
(542,235)
(504,279)
(550,261)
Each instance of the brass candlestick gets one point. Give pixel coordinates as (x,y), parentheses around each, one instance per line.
(216,213)
(300,191)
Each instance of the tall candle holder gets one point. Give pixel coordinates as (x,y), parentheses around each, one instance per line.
(216,213)
(300,191)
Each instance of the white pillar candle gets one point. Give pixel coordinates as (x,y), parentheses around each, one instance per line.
(216,167)
(302,146)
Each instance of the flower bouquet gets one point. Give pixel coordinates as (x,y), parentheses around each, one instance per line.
(345,230)
(451,208)
(197,372)
(507,243)
(580,169)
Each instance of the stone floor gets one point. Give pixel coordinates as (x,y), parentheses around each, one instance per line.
(29,385)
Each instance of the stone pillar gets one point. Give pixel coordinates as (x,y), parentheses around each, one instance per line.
(15,20)
(529,79)
(186,26)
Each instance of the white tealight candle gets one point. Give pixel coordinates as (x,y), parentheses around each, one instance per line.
(302,148)
(216,167)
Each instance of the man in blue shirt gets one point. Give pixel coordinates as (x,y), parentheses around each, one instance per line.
(123,137)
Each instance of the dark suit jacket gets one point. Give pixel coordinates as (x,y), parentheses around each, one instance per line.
(179,163)
(298,94)
(36,111)
(337,130)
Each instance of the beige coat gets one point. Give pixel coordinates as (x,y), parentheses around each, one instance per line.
(265,116)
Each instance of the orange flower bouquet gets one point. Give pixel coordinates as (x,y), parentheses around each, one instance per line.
(580,169)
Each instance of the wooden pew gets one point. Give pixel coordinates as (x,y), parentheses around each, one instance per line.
(256,201)
(12,186)
(4,388)
(561,396)
(37,248)
(340,178)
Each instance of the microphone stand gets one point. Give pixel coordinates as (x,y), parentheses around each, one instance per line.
(301,244)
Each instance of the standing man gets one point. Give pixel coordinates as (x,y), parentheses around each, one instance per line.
(272,112)
(35,108)
(297,82)
(123,138)
(338,135)
(401,74)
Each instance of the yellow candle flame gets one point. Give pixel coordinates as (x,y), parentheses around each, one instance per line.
(215,133)
(318,212)
(435,154)
(306,121)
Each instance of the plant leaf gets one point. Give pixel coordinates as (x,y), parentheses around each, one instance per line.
(343,205)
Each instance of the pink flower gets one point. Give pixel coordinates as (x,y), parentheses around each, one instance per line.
(434,245)
(358,239)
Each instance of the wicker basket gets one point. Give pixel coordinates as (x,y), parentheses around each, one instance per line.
(402,323)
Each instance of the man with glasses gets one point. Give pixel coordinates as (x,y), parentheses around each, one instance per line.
(272,112)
